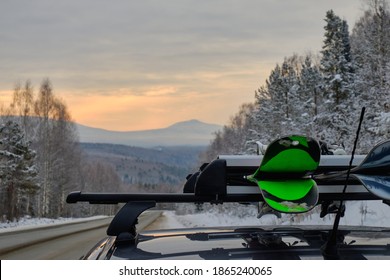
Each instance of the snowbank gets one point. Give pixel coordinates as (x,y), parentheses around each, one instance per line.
(28,222)
(358,213)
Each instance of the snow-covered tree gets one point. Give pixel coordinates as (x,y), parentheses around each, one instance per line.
(284,104)
(300,94)
(311,86)
(337,116)
(370,43)
(275,100)
(260,129)
(270,104)
(233,136)
(336,62)
(17,172)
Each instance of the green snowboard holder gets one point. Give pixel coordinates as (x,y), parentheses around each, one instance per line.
(284,174)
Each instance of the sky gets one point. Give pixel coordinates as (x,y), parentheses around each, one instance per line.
(136,65)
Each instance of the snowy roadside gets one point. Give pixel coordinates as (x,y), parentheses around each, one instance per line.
(367,213)
(27,223)
(359,213)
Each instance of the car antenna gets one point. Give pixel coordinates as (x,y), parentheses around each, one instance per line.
(329,249)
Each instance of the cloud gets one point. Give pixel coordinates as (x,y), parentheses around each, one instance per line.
(128,50)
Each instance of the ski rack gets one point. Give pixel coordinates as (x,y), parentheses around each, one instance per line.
(220,181)
(239,166)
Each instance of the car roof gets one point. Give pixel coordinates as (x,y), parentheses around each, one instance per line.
(269,242)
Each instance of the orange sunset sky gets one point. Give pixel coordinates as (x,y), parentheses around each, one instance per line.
(135,65)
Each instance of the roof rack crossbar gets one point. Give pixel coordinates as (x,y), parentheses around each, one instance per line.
(115,198)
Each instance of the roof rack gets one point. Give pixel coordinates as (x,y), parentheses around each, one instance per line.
(220,181)
(223,180)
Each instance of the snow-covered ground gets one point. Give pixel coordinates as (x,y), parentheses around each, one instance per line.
(358,213)
(28,222)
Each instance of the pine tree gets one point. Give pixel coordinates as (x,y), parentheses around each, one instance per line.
(336,62)
(272,102)
(17,171)
(265,117)
(370,44)
(297,115)
(334,122)
(280,103)
(311,86)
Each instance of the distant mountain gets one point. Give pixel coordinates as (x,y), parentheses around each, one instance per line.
(187,133)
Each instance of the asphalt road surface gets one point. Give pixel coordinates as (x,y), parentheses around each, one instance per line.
(60,242)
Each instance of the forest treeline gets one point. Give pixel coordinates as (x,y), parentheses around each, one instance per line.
(321,95)
(41,160)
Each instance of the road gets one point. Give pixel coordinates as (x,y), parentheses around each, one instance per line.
(60,242)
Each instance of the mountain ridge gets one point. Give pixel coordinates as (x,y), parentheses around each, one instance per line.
(185,133)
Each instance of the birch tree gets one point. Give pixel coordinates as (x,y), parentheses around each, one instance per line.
(22,107)
(57,150)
